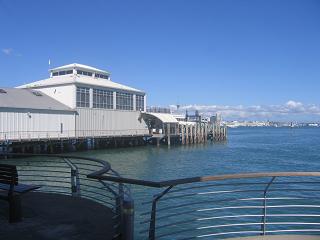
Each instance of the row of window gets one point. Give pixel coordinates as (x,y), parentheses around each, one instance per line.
(83,97)
(62,73)
(124,101)
(140,102)
(104,99)
(85,73)
(101,76)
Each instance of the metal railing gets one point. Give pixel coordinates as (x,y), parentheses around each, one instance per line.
(64,174)
(158,110)
(227,206)
(209,207)
(87,133)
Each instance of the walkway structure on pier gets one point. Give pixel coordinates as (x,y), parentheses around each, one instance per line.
(166,127)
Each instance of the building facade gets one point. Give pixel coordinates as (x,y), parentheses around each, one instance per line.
(104,108)
(31,115)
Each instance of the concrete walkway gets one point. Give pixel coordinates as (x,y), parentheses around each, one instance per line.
(54,216)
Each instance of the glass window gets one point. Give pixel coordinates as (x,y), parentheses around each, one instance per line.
(102,99)
(101,76)
(62,73)
(83,97)
(124,101)
(139,102)
(84,73)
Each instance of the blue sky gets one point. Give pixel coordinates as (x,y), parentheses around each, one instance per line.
(204,53)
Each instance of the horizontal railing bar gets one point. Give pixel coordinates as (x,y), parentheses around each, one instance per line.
(239,184)
(240,216)
(255,223)
(231,207)
(219,192)
(242,199)
(247,207)
(228,233)
(215,201)
(293,230)
(96,193)
(51,176)
(258,215)
(44,180)
(43,170)
(169,183)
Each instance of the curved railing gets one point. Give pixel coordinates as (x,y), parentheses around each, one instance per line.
(210,207)
(226,206)
(65,174)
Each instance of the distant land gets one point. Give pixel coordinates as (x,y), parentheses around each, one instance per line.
(235,124)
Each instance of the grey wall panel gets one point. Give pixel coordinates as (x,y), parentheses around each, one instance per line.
(103,122)
(23,125)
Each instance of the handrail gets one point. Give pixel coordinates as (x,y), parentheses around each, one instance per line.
(68,175)
(106,166)
(175,182)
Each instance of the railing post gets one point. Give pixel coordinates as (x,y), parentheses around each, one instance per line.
(127,218)
(75,180)
(264,218)
(152,227)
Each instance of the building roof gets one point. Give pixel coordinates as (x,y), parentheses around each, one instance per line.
(80,79)
(187,123)
(79,66)
(29,99)
(163,117)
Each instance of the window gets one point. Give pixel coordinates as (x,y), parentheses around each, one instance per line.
(124,101)
(83,97)
(84,73)
(139,102)
(101,76)
(62,73)
(36,93)
(102,99)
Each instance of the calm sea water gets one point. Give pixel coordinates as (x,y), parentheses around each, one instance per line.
(247,150)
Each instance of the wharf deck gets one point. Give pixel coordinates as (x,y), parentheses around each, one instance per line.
(55,216)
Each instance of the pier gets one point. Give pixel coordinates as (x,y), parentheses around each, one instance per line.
(169,129)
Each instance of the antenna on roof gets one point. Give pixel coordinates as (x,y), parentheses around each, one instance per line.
(49,63)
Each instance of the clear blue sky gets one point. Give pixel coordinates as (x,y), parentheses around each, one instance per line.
(179,51)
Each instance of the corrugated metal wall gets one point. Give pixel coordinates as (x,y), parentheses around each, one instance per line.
(102,122)
(24,125)
(21,125)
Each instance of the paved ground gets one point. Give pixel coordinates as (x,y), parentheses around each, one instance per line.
(54,216)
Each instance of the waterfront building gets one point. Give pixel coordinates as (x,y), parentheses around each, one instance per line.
(27,114)
(104,108)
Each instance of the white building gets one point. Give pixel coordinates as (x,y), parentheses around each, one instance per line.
(30,115)
(104,108)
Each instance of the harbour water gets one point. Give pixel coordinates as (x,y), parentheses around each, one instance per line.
(247,150)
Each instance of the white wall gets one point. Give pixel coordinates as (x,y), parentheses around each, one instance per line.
(65,94)
(103,122)
(23,124)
